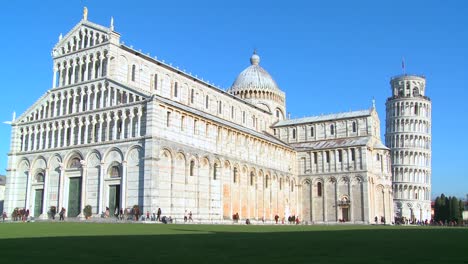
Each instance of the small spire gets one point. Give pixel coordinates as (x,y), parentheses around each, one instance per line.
(60,37)
(112,24)
(85,13)
(14,116)
(373,102)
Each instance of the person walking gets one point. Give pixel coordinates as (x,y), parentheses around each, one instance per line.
(62,214)
(4,216)
(190,216)
(158,215)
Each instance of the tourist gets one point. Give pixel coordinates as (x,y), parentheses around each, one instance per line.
(190,216)
(297,220)
(247,221)
(121,214)
(147,216)
(116,212)
(158,218)
(185,216)
(153,216)
(62,214)
(4,216)
(107,213)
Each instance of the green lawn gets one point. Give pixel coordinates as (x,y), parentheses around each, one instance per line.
(158,243)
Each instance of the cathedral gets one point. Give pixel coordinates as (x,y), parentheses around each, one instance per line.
(119,128)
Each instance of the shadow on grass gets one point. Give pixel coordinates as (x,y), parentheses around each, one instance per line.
(344,246)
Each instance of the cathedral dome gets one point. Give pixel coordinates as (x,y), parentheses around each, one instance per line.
(254,77)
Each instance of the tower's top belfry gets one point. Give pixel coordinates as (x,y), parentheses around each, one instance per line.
(408,85)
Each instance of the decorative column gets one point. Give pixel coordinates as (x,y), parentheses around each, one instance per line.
(72,66)
(60,68)
(47,130)
(59,133)
(86,67)
(123,186)
(101,58)
(101,122)
(82,95)
(65,141)
(25,133)
(86,131)
(88,100)
(80,127)
(95,92)
(122,127)
(45,199)
(114,128)
(108,120)
(60,187)
(102,90)
(93,69)
(109,92)
(114,96)
(130,124)
(84,176)
(101,186)
(52,140)
(28,189)
(72,133)
(140,114)
(36,136)
(57,106)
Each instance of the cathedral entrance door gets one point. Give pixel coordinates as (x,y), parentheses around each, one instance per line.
(345,212)
(114,198)
(74,197)
(38,200)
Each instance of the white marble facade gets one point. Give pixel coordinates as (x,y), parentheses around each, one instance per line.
(119,128)
(408,134)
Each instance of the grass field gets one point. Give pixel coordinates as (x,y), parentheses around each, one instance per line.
(150,243)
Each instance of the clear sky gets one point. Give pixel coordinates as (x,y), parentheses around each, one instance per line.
(328,56)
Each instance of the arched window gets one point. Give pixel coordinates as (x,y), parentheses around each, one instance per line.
(354,127)
(192,96)
(155,81)
(215,171)
(416,109)
(332,129)
(133,72)
(294,133)
(416,91)
(220,107)
(207,99)
(176,87)
(236,174)
(267,181)
(319,189)
(192,168)
(114,172)
(40,177)
(252,179)
(292,186)
(340,155)
(75,163)
(312,131)
(168,119)
(281,184)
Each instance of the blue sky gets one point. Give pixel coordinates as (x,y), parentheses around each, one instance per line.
(328,56)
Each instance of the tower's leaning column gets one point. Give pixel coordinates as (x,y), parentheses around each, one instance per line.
(408,134)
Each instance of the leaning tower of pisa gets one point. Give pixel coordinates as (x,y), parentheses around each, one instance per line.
(408,134)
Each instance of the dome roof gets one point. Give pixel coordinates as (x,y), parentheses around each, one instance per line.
(254,77)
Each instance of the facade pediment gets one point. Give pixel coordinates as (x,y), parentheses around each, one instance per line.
(84,35)
(65,101)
